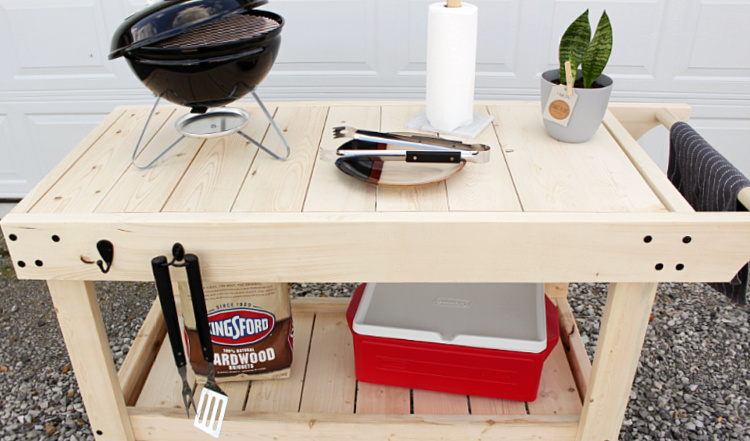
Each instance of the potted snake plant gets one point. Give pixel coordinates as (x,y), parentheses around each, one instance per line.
(574,104)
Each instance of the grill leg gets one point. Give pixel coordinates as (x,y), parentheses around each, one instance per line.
(276,127)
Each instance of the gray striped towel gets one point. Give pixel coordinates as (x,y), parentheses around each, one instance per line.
(709,183)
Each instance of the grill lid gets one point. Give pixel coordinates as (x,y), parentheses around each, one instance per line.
(167,18)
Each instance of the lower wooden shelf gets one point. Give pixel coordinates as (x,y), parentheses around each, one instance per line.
(323,400)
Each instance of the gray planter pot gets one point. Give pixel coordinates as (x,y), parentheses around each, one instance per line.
(587,114)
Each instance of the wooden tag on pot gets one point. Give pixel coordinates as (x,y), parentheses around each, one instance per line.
(560,105)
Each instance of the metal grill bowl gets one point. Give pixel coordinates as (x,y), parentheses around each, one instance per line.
(212,64)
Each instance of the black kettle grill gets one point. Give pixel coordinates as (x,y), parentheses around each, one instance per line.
(202,54)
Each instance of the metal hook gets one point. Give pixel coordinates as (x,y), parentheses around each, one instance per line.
(178,252)
(107,251)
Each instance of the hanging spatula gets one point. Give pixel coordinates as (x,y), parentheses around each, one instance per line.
(212,403)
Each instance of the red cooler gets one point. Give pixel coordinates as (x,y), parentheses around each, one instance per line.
(472,339)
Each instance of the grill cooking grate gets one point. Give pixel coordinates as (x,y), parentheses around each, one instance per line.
(234,28)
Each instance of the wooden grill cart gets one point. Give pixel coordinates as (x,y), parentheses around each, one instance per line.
(539,211)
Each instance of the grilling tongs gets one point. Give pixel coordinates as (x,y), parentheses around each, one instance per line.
(213,401)
(478,153)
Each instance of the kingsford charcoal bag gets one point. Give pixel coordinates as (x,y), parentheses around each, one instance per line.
(251,330)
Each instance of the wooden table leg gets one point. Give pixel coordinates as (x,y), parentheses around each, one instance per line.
(86,340)
(623,329)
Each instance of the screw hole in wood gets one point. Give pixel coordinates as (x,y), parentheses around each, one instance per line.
(679,267)
(648,239)
(21,263)
(659,266)
(13,237)
(55,238)
(687,239)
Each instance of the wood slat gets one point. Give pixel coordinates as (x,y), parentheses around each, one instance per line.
(430,197)
(319,304)
(592,176)
(167,425)
(83,187)
(68,161)
(427,402)
(215,176)
(146,191)
(331,189)
(494,406)
(639,118)
(570,337)
(282,185)
(284,395)
(399,247)
(236,391)
(558,394)
(330,385)
(484,187)
(384,400)
(652,173)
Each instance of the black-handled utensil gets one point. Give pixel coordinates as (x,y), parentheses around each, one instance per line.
(212,401)
(479,153)
(160,268)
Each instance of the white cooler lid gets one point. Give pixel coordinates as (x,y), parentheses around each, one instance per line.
(504,316)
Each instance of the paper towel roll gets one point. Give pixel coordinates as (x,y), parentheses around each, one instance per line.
(451,64)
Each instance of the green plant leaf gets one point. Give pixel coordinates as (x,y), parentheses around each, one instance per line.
(597,54)
(573,44)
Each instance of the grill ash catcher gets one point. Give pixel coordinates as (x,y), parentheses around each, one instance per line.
(202,54)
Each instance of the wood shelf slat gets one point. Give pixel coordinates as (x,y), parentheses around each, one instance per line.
(284,395)
(330,384)
(381,399)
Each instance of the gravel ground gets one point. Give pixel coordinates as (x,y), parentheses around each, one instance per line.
(693,380)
